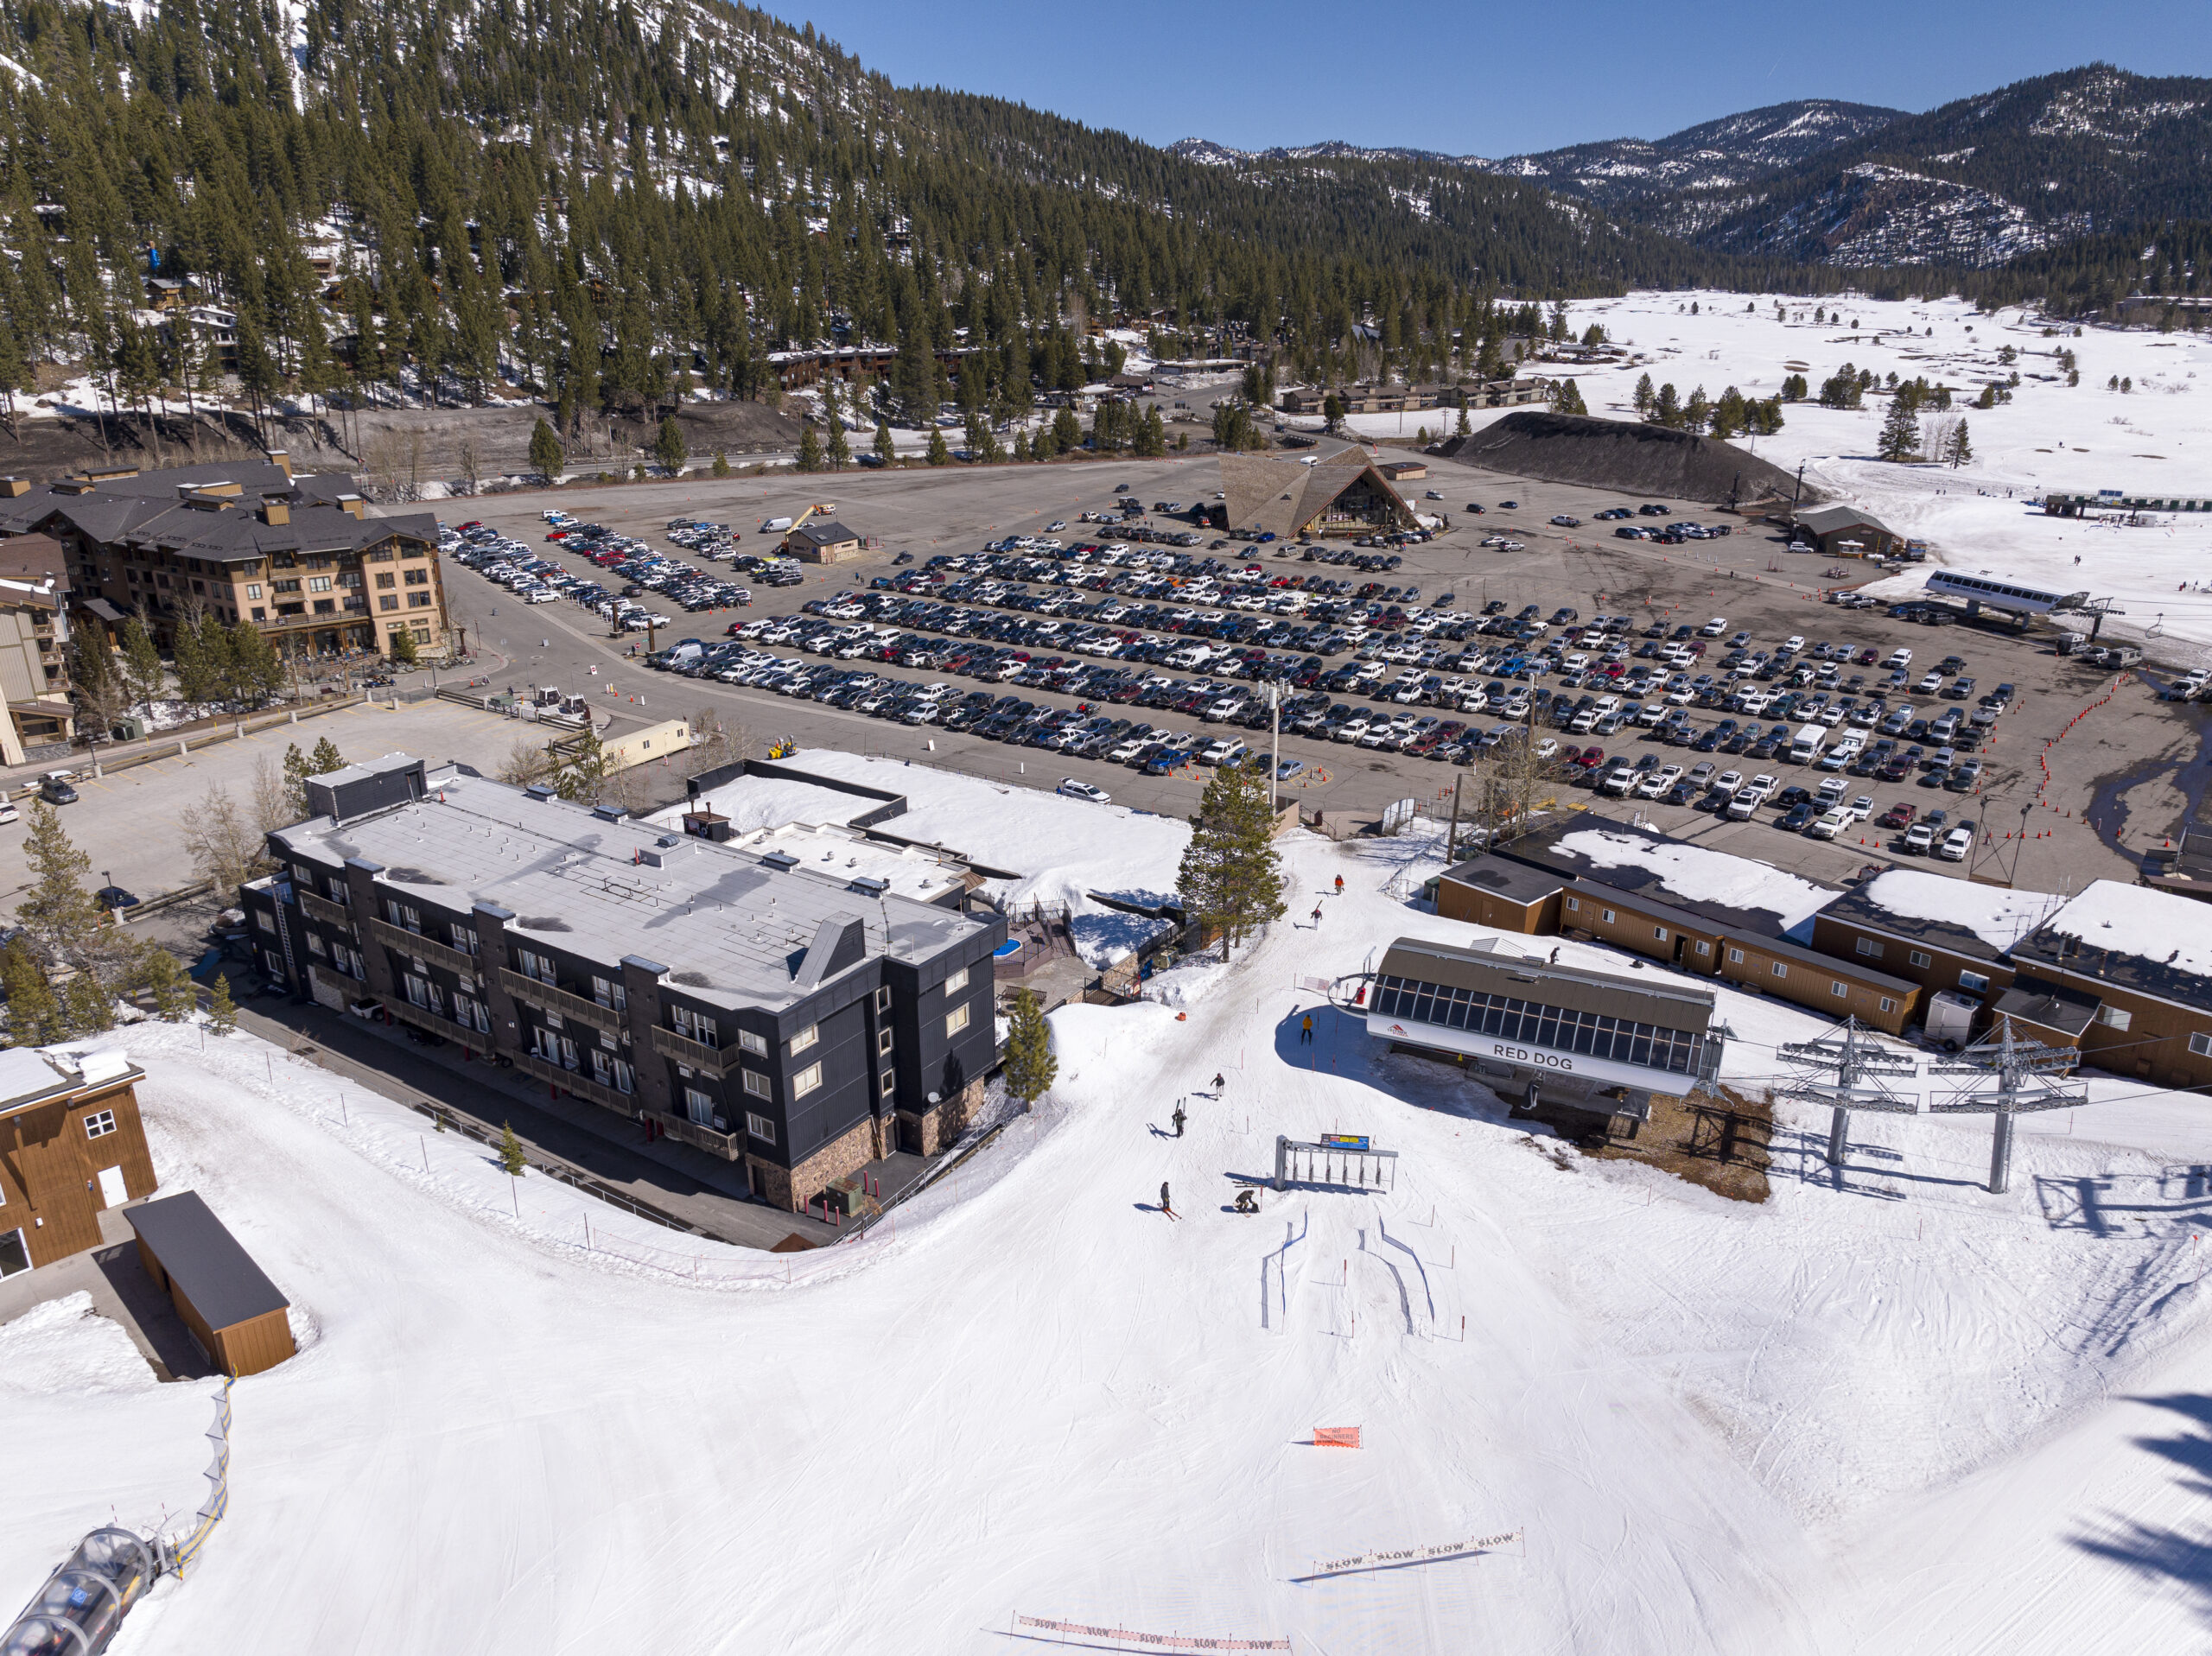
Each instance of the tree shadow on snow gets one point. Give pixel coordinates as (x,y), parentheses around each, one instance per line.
(2183,1556)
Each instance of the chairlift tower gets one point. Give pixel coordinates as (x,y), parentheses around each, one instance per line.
(2011,1077)
(1860,1066)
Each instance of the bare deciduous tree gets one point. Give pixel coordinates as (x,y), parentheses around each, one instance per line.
(226,847)
(527,762)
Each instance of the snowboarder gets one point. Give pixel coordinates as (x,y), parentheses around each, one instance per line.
(1340,885)
(1305,1032)
(1177,1119)
(1164,1205)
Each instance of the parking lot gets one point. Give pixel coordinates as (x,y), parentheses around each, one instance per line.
(2116,762)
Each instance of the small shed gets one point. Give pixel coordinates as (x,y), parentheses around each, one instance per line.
(822,541)
(235,1313)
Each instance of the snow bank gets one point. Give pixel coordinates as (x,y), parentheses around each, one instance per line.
(1059,849)
(66,1349)
(1999,917)
(1698,875)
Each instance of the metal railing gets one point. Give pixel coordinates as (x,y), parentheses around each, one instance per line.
(577,1081)
(549,998)
(414,943)
(575,1179)
(322,909)
(714,1060)
(408,1012)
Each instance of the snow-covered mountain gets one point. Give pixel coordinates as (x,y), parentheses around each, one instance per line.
(1974,182)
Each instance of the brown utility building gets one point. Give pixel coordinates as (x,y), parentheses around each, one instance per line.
(71,1147)
(1500,894)
(823,541)
(236,1316)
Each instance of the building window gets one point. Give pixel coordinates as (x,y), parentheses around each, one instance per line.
(384,580)
(757,1084)
(1735,957)
(1660,932)
(1838,989)
(402,914)
(99,1126)
(318,583)
(259,613)
(883,1000)
(1573,906)
(1973,982)
(388,603)
(535,965)
(2200,1046)
(1609,916)
(955,1021)
(756,1044)
(418,600)
(883,1040)
(887,1082)
(610,994)
(472,1012)
(418,577)
(1780,970)
(1703,947)
(805,1039)
(698,1026)
(1919,957)
(1888,1005)
(760,1127)
(1870,948)
(418,990)
(2114,1018)
(315,946)
(808,1080)
(265,920)
(253,589)
(464,937)
(956,982)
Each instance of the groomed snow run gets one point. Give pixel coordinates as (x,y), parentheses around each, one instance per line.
(1881,1412)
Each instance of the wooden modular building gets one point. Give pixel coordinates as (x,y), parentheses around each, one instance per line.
(70,1145)
(236,1315)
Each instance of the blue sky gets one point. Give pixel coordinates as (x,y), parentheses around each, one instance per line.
(1486,80)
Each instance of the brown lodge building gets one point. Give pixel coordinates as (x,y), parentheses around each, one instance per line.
(71,1147)
(299,557)
(2122,971)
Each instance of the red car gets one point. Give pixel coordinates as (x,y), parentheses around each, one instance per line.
(1591,758)
(1899,816)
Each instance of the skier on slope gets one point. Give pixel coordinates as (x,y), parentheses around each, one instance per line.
(1219,1081)
(1340,885)
(1317,916)
(1164,1205)
(1177,1118)
(1305,1032)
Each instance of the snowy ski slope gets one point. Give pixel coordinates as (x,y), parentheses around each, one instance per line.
(1883,1412)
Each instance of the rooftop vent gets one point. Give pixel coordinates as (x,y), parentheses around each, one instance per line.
(609,813)
(782,861)
(539,790)
(871,884)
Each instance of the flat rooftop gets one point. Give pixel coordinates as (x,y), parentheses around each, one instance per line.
(730,925)
(841,854)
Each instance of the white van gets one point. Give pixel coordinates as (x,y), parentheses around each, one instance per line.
(1805,746)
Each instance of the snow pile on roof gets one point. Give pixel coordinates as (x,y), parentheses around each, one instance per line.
(2174,931)
(1999,917)
(1060,849)
(1697,875)
(66,1349)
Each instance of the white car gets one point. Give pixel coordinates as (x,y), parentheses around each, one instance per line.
(1054,529)
(1829,825)
(1078,789)
(1793,643)
(1714,628)
(9,813)
(1956,844)
(1764,785)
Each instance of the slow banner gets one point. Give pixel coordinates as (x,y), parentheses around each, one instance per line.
(1151,1640)
(1336,1436)
(1398,1555)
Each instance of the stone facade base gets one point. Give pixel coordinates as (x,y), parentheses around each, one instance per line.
(791,1188)
(926,1131)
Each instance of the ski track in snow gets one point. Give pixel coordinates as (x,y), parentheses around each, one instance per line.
(1883,1411)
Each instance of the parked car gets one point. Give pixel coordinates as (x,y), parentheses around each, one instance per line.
(55,791)
(1956,844)
(1075,789)
(1919,840)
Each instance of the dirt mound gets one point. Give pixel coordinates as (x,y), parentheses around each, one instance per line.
(1624,456)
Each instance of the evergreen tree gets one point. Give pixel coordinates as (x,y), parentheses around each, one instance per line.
(222,1011)
(58,910)
(1567,398)
(1696,411)
(401,643)
(255,671)
(1900,438)
(1030,1065)
(1794,389)
(1667,407)
(809,451)
(1231,877)
(142,664)
(669,447)
(546,455)
(1333,411)
(1645,399)
(86,1006)
(583,771)
(513,1160)
(939,454)
(722,464)
(35,1016)
(884,451)
(840,452)
(1958,451)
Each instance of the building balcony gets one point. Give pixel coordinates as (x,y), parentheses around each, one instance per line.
(414,943)
(577,1081)
(322,909)
(408,1012)
(730,1146)
(547,998)
(696,1055)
